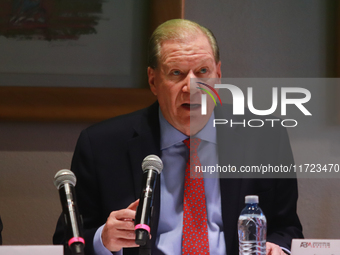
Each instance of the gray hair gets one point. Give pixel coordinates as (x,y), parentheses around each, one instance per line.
(177,29)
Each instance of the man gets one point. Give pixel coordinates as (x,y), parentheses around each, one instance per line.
(108,156)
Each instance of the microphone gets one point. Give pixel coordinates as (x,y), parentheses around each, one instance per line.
(152,165)
(65,180)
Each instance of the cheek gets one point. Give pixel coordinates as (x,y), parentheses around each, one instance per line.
(171,91)
(165,97)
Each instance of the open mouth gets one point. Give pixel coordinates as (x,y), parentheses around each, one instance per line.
(192,106)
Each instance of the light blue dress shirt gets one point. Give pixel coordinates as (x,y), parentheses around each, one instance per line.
(174,155)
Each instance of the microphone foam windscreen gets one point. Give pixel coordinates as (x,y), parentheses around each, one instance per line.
(152,162)
(64,176)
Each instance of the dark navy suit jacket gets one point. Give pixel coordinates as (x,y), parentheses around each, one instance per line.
(107,163)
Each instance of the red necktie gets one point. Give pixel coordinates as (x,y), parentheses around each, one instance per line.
(195,223)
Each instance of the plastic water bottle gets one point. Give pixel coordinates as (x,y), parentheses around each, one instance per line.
(252,228)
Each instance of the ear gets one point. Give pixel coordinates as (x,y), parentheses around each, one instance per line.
(151,79)
(218,69)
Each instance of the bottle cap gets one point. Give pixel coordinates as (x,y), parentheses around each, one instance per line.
(252,199)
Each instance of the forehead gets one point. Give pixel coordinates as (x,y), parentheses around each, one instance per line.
(192,49)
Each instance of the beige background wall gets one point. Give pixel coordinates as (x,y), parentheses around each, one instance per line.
(30,155)
(284,38)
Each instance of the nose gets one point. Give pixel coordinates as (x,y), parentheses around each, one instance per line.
(187,86)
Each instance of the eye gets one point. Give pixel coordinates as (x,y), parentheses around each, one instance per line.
(176,72)
(203,70)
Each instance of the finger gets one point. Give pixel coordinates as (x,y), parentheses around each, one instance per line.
(133,206)
(268,249)
(124,225)
(272,249)
(125,214)
(125,234)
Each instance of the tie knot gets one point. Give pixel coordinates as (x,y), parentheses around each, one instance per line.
(192,143)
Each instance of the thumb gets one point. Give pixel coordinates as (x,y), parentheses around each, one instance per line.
(133,206)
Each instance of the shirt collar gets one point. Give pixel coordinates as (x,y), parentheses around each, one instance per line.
(171,136)
(208,133)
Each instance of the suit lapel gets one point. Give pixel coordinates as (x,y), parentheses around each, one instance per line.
(145,142)
(139,148)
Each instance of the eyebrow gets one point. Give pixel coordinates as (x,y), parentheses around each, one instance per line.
(203,61)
